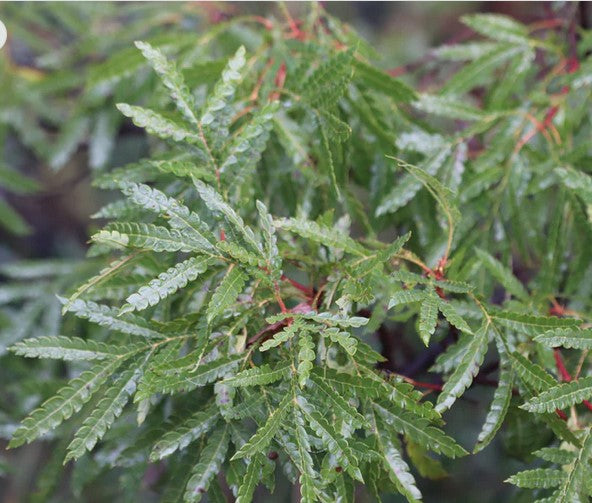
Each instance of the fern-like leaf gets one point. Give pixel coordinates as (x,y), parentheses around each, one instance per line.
(67,401)
(497,409)
(250,481)
(216,204)
(320,234)
(561,396)
(180,218)
(210,460)
(166,284)
(226,293)
(67,348)
(263,436)
(539,478)
(467,369)
(428,316)
(503,275)
(171,78)
(334,442)
(419,430)
(567,338)
(112,319)
(259,376)
(102,417)
(187,431)
(159,125)
(395,466)
(147,236)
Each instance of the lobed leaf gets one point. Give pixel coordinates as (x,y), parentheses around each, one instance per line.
(67,348)
(167,283)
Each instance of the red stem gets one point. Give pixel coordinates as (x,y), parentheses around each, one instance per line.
(299,286)
(565,375)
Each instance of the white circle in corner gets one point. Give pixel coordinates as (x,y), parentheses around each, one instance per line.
(3,34)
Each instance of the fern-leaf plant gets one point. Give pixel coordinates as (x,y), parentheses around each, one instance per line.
(293,208)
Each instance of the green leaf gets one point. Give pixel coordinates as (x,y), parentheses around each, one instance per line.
(180,435)
(577,181)
(147,236)
(171,78)
(326,151)
(566,337)
(561,396)
(392,249)
(406,297)
(539,478)
(473,74)
(408,186)
(282,336)
(185,169)
(104,275)
(210,461)
(329,81)
(260,376)
(67,348)
(531,373)
(216,204)
(167,283)
(497,27)
(67,401)
(556,455)
(450,108)
(383,82)
(497,410)
(503,275)
(530,325)
(218,110)
(465,52)
(321,234)
(453,317)
(326,318)
(246,147)
(306,356)
(180,218)
(159,125)
(261,439)
(112,319)
(578,472)
(173,378)
(335,443)
(304,462)
(396,467)
(12,221)
(428,316)
(419,430)
(231,285)
(467,369)
(102,417)
(250,481)
(404,395)
(344,339)
(442,194)
(331,396)
(17,182)
(272,254)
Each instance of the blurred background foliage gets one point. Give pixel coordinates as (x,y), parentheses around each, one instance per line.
(58,125)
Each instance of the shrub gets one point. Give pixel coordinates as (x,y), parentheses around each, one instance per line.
(301,202)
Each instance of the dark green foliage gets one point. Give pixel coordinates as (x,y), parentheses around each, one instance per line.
(297,201)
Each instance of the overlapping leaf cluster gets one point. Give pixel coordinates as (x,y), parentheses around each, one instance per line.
(244,277)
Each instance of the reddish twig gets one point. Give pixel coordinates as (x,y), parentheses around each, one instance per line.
(308,291)
(280,79)
(565,375)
